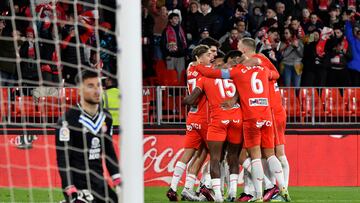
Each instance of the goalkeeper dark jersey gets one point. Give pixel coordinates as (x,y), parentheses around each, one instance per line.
(82,142)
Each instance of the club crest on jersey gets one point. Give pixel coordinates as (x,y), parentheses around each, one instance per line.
(258,102)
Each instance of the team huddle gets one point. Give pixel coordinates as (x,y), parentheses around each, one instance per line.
(236,117)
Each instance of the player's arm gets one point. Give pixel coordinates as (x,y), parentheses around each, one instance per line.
(111,159)
(193,97)
(274,75)
(228,104)
(63,155)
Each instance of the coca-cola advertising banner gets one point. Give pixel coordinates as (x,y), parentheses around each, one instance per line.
(315,160)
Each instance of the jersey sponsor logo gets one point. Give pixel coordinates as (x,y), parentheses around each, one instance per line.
(237,121)
(192,126)
(258,102)
(95,149)
(225,122)
(64,133)
(260,124)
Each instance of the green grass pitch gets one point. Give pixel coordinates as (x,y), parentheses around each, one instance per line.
(157,194)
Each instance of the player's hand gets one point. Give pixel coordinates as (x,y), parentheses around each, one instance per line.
(228,104)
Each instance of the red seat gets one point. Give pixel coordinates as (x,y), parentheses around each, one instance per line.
(4,97)
(352,101)
(290,101)
(50,107)
(307,95)
(24,106)
(71,96)
(170,78)
(333,101)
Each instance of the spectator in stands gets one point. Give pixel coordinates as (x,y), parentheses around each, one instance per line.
(353,36)
(69,55)
(160,23)
(255,20)
(207,18)
(269,46)
(239,14)
(8,70)
(49,71)
(292,53)
(29,70)
(224,12)
(231,42)
(147,30)
(315,68)
(241,28)
(190,23)
(338,55)
(174,44)
(305,16)
(108,43)
(280,13)
(313,24)
(111,97)
(333,17)
(299,31)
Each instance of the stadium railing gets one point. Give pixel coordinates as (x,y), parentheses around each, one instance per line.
(163,105)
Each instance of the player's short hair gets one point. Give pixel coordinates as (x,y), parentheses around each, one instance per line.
(85,74)
(210,42)
(199,50)
(249,42)
(232,54)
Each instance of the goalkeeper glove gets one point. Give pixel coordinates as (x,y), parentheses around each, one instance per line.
(78,196)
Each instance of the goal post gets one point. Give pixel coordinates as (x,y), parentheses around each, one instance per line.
(128,32)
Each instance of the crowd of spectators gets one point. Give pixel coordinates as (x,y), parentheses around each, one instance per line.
(313,43)
(37,49)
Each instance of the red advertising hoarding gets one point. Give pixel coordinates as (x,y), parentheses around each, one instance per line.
(315,160)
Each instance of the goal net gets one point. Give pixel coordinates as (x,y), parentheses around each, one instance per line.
(46,46)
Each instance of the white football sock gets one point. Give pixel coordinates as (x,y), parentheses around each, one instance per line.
(207,177)
(216,187)
(190,181)
(267,183)
(286,169)
(257,174)
(276,170)
(178,172)
(233,185)
(247,165)
(248,184)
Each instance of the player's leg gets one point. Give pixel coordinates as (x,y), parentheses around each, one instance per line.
(215,139)
(193,170)
(192,142)
(234,138)
(252,140)
(267,142)
(215,149)
(280,119)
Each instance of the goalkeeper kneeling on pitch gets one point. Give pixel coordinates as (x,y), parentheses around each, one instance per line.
(83,139)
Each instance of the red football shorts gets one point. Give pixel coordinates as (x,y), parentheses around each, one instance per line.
(279,127)
(258,132)
(221,130)
(196,130)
